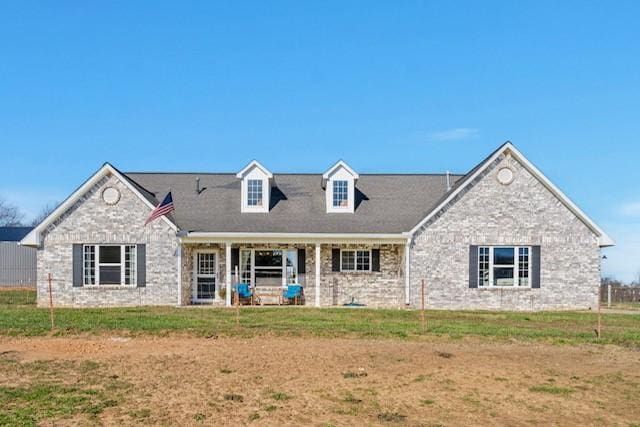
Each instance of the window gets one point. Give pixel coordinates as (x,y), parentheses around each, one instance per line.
(340,194)
(109,265)
(205,276)
(245,267)
(355,260)
(268,267)
(292,267)
(254,192)
(504,266)
(130,270)
(89,265)
(483,266)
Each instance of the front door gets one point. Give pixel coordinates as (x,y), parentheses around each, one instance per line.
(205,276)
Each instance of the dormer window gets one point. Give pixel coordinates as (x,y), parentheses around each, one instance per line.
(254,192)
(255,188)
(340,194)
(339,183)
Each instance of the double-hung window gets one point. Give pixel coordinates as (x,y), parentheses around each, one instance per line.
(503,266)
(254,192)
(355,260)
(109,265)
(340,194)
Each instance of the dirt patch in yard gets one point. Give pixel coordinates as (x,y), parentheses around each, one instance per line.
(313,381)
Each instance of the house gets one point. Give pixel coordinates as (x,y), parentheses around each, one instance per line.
(17,263)
(500,237)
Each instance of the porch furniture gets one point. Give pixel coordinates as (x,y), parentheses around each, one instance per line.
(268,295)
(244,292)
(293,293)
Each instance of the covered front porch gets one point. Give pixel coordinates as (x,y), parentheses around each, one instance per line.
(328,273)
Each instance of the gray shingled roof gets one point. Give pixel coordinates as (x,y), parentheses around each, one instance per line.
(384,203)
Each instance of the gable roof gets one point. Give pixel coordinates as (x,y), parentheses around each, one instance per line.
(338,165)
(385,203)
(254,164)
(603,239)
(33,238)
(13,234)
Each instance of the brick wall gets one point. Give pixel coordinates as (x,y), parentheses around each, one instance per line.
(92,221)
(521,213)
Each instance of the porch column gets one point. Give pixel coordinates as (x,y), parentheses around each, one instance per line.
(227,260)
(317,274)
(407,272)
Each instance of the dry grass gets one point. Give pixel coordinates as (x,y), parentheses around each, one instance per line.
(314,381)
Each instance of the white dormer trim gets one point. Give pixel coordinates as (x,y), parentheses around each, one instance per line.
(255,171)
(341,171)
(254,164)
(338,165)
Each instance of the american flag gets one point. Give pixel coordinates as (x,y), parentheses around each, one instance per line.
(162,209)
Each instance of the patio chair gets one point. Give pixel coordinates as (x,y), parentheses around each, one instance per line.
(293,293)
(244,292)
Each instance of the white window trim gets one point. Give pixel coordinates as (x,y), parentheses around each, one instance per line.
(351,186)
(355,260)
(98,264)
(516,267)
(216,275)
(333,194)
(246,208)
(248,189)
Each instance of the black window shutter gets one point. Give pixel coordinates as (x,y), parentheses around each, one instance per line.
(141,261)
(535,266)
(335,259)
(302,265)
(473,266)
(77,265)
(235,261)
(375,260)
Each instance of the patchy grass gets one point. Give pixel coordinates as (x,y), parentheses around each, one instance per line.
(280,396)
(46,396)
(233,397)
(392,417)
(20,317)
(18,296)
(561,391)
(350,374)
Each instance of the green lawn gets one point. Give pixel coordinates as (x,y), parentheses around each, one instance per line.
(20,317)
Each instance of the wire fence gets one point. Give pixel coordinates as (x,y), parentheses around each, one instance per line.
(620,297)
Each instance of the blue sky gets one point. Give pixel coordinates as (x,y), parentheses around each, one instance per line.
(405,86)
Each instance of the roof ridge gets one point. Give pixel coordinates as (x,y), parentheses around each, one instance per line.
(303,173)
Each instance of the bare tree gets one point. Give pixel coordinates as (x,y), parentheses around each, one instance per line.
(10,215)
(44,212)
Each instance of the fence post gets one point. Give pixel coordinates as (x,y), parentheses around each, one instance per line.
(609,295)
(599,330)
(53,325)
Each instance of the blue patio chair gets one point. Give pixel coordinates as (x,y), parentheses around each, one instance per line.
(244,292)
(293,292)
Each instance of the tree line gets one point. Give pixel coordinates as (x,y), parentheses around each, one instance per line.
(12,216)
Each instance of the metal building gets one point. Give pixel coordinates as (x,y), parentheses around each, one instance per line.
(17,263)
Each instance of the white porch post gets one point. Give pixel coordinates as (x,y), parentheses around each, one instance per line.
(227,260)
(407,272)
(317,274)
